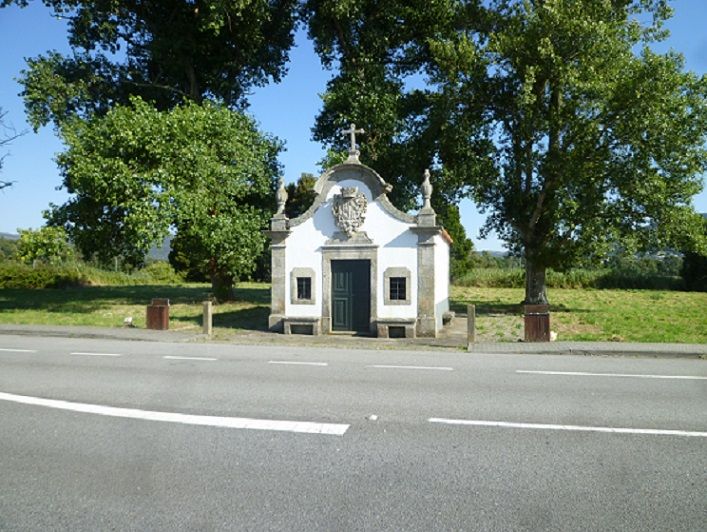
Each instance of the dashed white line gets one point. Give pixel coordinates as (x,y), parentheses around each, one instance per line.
(174,357)
(437,368)
(97,354)
(8,350)
(628,375)
(547,426)
(297,363)
(334,429)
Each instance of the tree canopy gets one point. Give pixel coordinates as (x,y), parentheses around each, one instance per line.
(598,137)
(554,116)
(200,169)
(164,52)
(380,53)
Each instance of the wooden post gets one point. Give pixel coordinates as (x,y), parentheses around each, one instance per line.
(470,325)
(208,318)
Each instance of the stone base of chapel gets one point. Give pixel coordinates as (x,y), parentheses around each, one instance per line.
(382,327)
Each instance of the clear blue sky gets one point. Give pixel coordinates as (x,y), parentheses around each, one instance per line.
(286,110)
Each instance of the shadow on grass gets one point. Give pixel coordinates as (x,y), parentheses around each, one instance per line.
(252,319)
(94,298)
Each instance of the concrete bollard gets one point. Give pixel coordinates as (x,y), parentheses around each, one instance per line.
(208,318)
(470,325)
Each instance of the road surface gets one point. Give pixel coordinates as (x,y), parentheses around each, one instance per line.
(128,435)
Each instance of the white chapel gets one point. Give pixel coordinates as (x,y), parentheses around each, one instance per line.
(354,263)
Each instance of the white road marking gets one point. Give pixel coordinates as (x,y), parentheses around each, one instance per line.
(438,368)
(97,354)
(631,375)
(297,363)
(207,359)
(7,350)
(547,426)
(334,429)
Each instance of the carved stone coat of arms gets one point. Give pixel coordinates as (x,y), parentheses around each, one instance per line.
(349,210)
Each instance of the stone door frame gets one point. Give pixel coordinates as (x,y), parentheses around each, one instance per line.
(349,252)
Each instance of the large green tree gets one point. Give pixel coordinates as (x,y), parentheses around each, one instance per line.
(380,55)
(200,169)
(554,115)
(598,137)
(163,51)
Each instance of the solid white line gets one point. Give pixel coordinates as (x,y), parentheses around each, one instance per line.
(546,426)
(98,354)
(297,363)
(18,350)
(438,368)
(335,429)
(208,359)
(637,376)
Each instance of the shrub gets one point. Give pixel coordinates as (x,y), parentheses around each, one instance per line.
(18,275)
(161,272)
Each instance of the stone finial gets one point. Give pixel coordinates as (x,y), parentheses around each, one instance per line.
(426,191)
(353,152)
(281,197)
(426,217)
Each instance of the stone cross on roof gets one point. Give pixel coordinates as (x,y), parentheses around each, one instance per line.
(353,152)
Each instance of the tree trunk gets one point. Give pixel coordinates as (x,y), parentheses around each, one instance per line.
(222,286)
(535,291)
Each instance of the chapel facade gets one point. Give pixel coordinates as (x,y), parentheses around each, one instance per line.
(355,263)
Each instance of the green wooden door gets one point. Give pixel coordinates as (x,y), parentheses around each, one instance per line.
(351,295)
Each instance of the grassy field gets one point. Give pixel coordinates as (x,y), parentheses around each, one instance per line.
(108,306)
(618,315)
(589,314)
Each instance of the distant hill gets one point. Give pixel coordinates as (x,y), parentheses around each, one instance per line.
(161,252)
(9,236)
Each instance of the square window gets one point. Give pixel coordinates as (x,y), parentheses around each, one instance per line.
(304,288)
(397,288)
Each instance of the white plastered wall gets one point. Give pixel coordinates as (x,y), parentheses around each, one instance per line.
(397,247)
(441,278)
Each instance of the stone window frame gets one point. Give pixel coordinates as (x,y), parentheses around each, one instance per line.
(302,272)
(397,271)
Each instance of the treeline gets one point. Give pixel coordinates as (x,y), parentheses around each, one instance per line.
(658,272)
(45,259)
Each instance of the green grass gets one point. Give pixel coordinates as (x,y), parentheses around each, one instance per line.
(595,315)
(588,314)
(108,306)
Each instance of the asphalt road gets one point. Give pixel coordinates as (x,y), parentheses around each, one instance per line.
(118,435)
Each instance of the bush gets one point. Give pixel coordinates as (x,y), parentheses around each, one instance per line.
(161,272)
(18,275)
